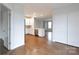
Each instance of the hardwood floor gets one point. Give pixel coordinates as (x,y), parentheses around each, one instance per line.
(35,45)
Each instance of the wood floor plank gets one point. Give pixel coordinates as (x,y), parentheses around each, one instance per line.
(35,45)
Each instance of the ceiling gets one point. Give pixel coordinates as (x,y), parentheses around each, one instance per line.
(42,9)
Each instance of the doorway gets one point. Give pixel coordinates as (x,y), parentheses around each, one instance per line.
(49,32)
(48,25)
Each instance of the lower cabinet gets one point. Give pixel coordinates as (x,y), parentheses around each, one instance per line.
(40,32)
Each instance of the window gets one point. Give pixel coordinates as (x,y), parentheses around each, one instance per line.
(49,25)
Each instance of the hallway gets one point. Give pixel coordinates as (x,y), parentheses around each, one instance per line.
(41,46)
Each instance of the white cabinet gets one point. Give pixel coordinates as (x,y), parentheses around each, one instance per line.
(41,32)
(29,22)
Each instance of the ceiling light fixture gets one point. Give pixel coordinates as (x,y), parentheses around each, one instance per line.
(34,14)
(41,15)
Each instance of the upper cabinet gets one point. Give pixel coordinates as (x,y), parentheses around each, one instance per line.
(29,23)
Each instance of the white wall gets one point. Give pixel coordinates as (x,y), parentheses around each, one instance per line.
(73,28)
(46,25)
(0,22)
(4,16)
(4,23)
(41,22)
(65,25)
(60,28)
(38,23)
(17,25)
